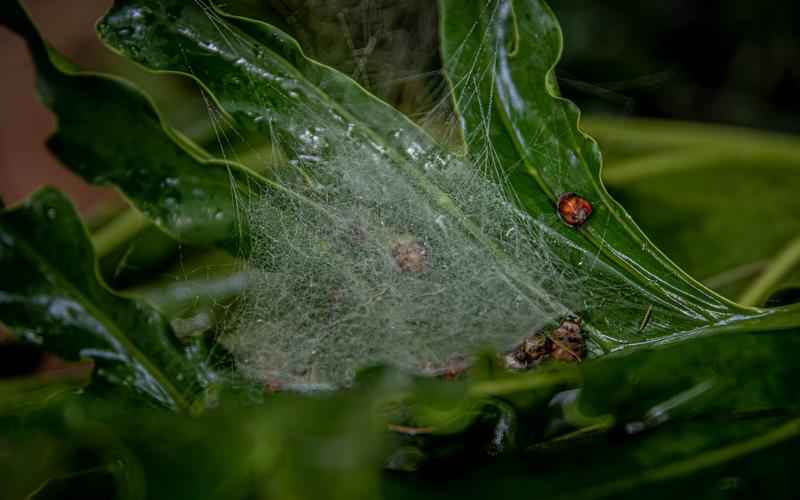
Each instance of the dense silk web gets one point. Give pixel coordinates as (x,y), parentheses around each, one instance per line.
(332,293)
(364,254)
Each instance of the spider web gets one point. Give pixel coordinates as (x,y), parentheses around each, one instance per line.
(331,289)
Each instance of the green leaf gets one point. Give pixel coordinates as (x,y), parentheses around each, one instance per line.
(110,133)
(284,450)
(662,438)
(499,57)
(714,198)
(259,76)
(723,375)
(51,295)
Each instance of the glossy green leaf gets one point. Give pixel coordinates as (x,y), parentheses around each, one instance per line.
(260,77)
(51,295)
(110,133)
(499,57)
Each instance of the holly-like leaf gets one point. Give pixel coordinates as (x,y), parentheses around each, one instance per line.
(110,133)
(51,295)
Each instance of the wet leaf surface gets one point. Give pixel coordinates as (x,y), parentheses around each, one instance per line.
(109,133)
(51,295)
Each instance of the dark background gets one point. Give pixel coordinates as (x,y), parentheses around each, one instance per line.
(735,62)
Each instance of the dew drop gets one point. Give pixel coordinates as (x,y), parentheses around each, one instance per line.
(572,158)
(440,221)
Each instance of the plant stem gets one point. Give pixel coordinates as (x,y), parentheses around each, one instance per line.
(118,231)
(697,463)
(651,135)
(787,260)
(104,214)
(642,166)
(738,273)
(175,298)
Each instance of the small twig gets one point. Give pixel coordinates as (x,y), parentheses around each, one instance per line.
(121,229)
(787,260)
(647,315)
(411,431)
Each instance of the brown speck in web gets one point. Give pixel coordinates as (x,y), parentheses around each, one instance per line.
(411,256)
(273,387)
(573,209)
(455,369)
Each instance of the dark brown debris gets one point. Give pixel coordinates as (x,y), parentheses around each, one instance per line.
(566,343)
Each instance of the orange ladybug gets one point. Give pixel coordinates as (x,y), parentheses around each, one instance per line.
(573,209)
